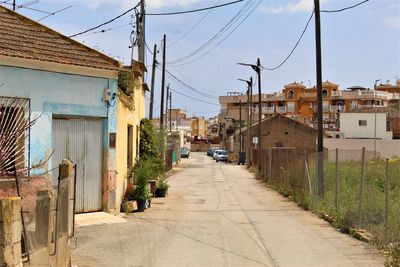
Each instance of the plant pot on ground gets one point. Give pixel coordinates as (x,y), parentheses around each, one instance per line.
(162,188)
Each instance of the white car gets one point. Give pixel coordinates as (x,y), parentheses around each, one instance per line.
(222,156)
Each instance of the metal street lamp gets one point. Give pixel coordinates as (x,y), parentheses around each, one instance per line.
(249,117)
(257,68)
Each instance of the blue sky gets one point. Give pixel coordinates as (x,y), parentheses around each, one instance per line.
(359,46)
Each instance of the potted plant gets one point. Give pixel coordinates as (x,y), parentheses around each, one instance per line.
(162,188)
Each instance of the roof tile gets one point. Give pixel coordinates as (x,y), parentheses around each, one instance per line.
(24,38)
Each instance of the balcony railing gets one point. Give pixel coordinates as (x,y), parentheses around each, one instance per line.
(281,109)
(337,108)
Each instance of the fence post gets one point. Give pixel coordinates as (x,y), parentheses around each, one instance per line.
(387,177)
(361,186)
(337,180)
(10,232)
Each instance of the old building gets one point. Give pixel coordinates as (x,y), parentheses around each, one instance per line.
(81,113)
(281,131)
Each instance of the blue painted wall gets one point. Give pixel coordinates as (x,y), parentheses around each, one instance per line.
(58,94)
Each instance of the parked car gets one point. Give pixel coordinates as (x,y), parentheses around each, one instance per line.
(222,156)
(216,152)
(185,152)
(211,151)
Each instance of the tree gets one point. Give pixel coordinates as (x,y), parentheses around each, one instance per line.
(148,140)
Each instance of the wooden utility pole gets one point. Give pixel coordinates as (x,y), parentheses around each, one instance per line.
(240,126)
(163,85)
(170,111)
(153,78)
(320,145)
(166,107)
(141,31)
(258,70)
(14,5)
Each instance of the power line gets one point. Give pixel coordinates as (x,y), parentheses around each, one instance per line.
(229,24)
(106,30)
(203,101)
(193,10)
(295,46)
(193,27)
(190,87)
(345,8)
(107,22)
(225,37)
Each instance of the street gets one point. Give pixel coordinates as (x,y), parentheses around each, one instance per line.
(218,214)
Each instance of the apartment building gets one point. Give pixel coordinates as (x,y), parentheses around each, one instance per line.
(300,103)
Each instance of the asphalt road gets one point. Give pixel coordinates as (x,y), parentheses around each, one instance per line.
(217,214)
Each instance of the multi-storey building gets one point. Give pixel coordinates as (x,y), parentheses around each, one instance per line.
(300,103)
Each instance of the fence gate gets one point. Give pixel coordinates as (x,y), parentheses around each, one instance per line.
(80,140)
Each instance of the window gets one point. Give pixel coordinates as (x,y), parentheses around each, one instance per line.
(324,93)
(290,94)
(362,123)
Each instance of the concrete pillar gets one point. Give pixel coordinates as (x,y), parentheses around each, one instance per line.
(10,232)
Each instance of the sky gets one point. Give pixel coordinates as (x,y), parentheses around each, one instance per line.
(359,46)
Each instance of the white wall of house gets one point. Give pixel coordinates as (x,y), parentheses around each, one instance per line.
(362,125)
(350,149)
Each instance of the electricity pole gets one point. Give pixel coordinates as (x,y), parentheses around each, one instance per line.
(170,111)
(257,68)
(153,78)
(14,4)
(163,85)
(249,119)
(166,108)
(141,32)
(320,145)
(240,125)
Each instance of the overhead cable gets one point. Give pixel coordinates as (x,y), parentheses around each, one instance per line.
(193,27)
(196,99)
(193,10)
(225,37)
(345,8)
(295,46)
(229,24)
(107,22)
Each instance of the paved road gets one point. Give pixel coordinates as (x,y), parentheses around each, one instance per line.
(217,214)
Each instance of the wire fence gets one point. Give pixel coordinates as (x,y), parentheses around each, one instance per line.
(360,192)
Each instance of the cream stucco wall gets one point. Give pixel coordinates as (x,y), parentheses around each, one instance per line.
(127,116)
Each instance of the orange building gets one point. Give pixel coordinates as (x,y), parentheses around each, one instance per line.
(299,102)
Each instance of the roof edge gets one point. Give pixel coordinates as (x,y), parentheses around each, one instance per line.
(57,67)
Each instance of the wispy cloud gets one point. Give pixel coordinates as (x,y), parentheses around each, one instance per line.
(393,22)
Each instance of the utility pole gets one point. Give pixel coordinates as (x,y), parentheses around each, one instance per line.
(153,78)
(258,70)
(170,111)
(166,108)
(14,5)
(320,145)
(249,119)
(240,125)
(163,85)
(141,31)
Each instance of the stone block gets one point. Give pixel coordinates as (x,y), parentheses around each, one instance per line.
(129,206)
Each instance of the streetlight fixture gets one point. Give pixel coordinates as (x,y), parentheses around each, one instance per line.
(257,68)
(249,117)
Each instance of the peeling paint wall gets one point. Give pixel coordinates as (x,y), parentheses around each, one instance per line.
(125,117)
(63,95)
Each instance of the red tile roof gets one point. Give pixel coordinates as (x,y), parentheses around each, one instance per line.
(22,37)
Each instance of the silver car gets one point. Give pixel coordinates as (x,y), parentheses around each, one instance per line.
(222,156)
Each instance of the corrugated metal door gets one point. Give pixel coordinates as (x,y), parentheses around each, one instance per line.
(80,140)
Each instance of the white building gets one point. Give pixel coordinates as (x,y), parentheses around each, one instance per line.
(365,126)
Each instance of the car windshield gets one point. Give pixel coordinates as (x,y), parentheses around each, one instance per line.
(184,149)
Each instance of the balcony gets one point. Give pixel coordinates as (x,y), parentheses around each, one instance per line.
(336,94)
(337,108)
(280,109)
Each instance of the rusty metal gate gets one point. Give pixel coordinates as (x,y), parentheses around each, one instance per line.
(80,140)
